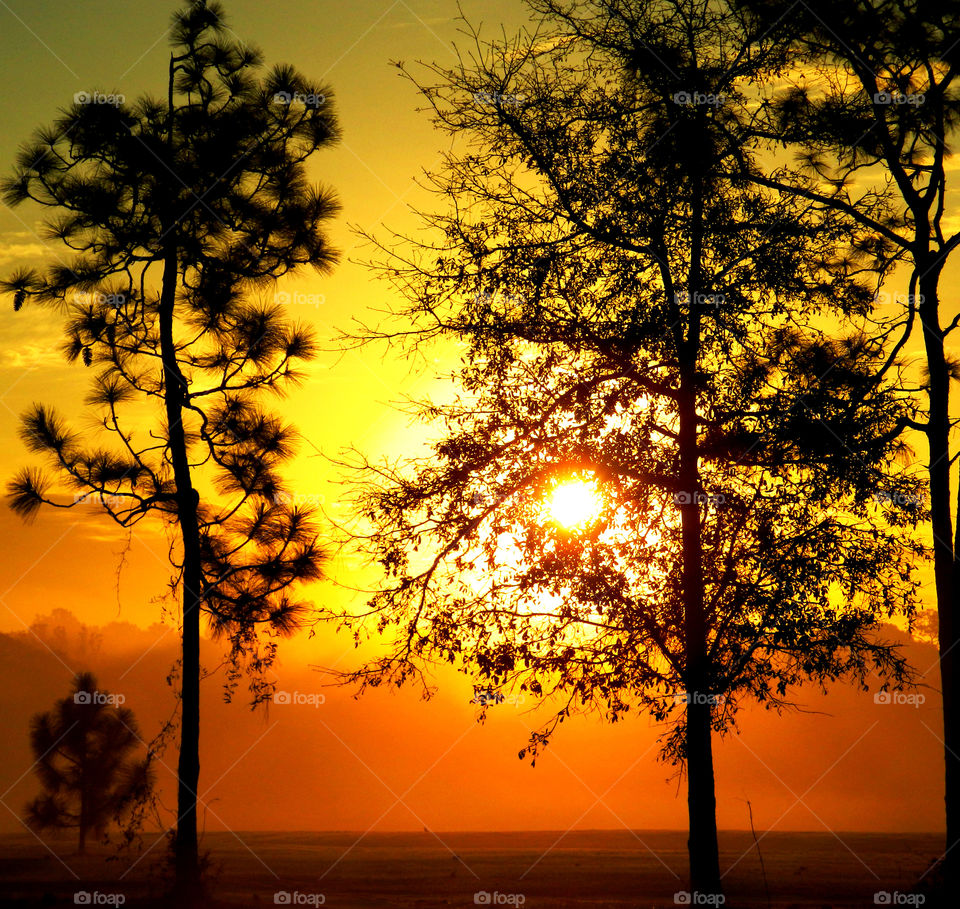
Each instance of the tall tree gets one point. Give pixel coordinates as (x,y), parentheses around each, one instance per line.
(639,318)
(178,212)
(84,758)
(870,107)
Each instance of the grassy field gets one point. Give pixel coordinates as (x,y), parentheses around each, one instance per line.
(541,870)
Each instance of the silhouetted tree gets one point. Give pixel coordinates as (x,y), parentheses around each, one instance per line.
(84,758)
(870,107)
(635,314)
(179,211)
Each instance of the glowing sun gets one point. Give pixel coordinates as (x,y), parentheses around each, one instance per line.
(574,503)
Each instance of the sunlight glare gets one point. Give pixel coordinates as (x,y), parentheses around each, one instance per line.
(574,503)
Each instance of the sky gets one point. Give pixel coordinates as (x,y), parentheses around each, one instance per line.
(440,759)
(386,144)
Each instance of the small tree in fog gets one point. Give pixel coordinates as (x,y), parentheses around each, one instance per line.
(85,750)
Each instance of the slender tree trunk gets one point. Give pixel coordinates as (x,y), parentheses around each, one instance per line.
(188,769)
(186,852)
(945,565)
(82,822)
(82,827)
(702,844)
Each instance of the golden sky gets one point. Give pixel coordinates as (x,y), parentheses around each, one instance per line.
(600,777)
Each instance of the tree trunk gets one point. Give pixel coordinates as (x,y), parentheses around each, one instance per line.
(945,547)
(188,769)
(702,844)
(82,817)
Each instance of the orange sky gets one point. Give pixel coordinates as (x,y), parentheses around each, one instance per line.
(327,768)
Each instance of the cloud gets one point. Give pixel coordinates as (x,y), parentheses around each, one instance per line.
(31,356)
(12,252)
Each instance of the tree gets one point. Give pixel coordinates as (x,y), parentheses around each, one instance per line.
(870,107)
(637,317)
(178,213)
(84,758)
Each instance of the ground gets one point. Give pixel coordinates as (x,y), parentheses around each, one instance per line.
(541,870)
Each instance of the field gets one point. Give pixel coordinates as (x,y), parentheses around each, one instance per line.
(540,870)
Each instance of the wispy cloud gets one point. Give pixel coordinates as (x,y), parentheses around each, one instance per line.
(29,356)
(12,252)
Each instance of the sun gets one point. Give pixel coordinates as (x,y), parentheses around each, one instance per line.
(574,503)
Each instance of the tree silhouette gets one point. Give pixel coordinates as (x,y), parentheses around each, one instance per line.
(870,108)
(178,213)
(84,758)
(633,313)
